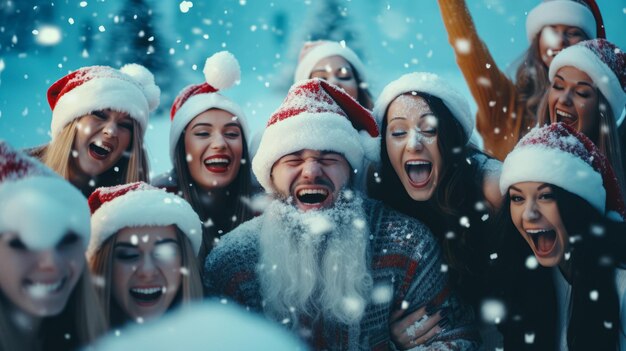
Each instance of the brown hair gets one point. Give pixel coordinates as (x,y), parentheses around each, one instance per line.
(132,167)
(101,265)
(80,323)
(531,79)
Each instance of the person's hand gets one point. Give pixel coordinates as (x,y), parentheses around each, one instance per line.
(416,328)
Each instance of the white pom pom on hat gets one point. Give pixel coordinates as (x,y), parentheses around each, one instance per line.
(146,79)
(221,71)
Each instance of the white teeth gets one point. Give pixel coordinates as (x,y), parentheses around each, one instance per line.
(312,191)
(417,163)
(564,114)
(146,291)
(37,289)
(99,144)
(216,160)
(537,231)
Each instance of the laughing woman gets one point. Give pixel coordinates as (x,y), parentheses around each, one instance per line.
(209,152)
(47,301)
(558,261)
(99,117)
(430,171)
(508,109)
(587,92)
(143,251)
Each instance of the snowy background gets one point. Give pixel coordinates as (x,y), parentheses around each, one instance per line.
(40,41)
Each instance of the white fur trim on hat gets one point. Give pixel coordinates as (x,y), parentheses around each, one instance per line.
(565,12)
(538,163)
(323,50)
(197,104)
(42,210)
(429,83)
(584,59)
(99,94)
(314,131)
(138,208)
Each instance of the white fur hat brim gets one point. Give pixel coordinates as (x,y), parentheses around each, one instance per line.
(537,163)
(197,104)
(429,83)
(313,131)
(324,50)
(582,58)
(41,210)
(565,12)
(99,94)
(140,208)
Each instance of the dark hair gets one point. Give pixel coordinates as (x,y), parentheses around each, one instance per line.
(529,294)
(364,96)
(531,79)
(240,188)
(457,195)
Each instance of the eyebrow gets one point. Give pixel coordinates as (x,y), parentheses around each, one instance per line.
(127,245)
(159,242)
(204,124)
(421,116)
(543,186)
(166,241)
(581,82)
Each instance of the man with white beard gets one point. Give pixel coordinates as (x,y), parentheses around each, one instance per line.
(323,260)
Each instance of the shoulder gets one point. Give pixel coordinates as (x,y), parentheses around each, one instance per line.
(239,242)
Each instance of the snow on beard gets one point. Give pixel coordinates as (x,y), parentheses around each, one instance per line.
(313,263)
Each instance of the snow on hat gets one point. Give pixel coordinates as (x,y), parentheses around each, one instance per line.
(557,154)
(605,63)
(319,116)
(313,51)
(130,89)
(221,71)
(139,204)
(585,16)
(432,84)
(37,204)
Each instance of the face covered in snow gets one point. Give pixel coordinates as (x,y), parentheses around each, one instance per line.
(573,99)
(39,282)
(535,213)
(214,147)
(312,179)
(102,137)
(146,270)
(555,38)
(412,146)
(336,70)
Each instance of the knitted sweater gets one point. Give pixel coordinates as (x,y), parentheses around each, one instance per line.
(500,119)
(401,253)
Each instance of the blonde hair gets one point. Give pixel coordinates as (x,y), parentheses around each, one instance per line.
(82,313)
(131,168)
(101,265)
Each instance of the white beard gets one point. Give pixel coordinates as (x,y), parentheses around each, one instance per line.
(314,263)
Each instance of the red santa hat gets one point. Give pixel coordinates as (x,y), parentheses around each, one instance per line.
(221,71)
(557,154)
(313,51)
(37,204)
(139,204)
(130,89)
(431,84)
(317,115)
(604,63)
(583,14)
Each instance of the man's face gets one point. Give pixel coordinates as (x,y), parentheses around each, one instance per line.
(313,179)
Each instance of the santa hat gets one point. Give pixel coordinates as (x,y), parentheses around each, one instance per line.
(557,154)
(583,14)
(221,71)
(317,115)
(605,63)
(37,204)
(139,204)
(313,51)
(431,84)
(130,89)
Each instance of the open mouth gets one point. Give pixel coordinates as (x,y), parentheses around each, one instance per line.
(314,196)
(565,117)
(543,239)
(217,164)
(41,290)
(418,172)
(100,150)
(146,296)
